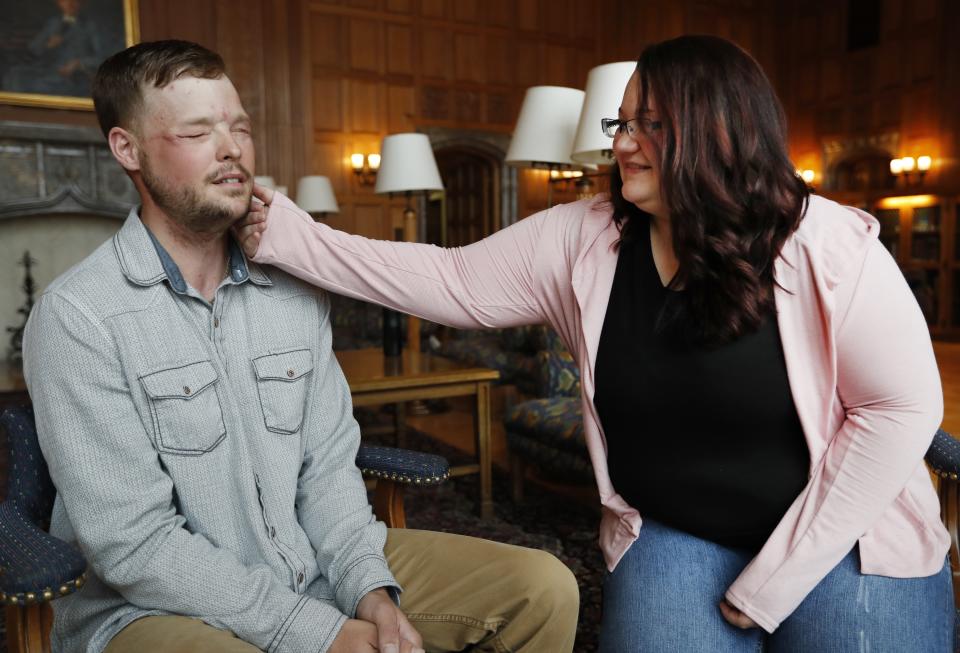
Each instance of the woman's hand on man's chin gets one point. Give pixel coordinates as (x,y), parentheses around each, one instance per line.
(249,230)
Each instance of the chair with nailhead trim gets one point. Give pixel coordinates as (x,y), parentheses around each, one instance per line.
(943,458)
(36,567)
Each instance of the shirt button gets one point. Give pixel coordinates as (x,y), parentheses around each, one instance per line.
(216,322)
(290,373)
(186,390)
(300,577)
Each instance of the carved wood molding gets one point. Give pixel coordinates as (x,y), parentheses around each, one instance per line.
(60,169)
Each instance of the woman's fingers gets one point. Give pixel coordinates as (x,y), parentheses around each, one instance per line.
(263,193)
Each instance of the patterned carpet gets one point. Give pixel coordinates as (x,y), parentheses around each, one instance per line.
(452,507)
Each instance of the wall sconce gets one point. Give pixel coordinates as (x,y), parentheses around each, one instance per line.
(365,167)
(907,165)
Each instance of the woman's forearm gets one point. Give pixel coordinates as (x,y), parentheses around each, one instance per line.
(490,283)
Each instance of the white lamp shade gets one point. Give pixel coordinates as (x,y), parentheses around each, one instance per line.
(605,85)
(265,180)
(546,127)
(407,164)
(315,195)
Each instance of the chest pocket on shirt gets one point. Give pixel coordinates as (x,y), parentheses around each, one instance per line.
(282,383)
(186,410)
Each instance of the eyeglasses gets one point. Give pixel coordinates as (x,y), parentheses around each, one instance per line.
(614,126)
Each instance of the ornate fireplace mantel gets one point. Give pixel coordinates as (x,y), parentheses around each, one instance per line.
(50,169)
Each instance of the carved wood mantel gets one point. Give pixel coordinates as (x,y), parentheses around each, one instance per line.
(50,169)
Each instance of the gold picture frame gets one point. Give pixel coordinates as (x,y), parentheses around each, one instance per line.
(27,73)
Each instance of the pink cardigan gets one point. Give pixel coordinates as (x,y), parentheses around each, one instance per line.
(861,368)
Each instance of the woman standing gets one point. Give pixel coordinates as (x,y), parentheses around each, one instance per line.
(759,387)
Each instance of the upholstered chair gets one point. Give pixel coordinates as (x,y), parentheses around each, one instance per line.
(37,568)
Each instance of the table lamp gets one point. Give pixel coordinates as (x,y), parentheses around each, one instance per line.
(407,166)
(315,196)
(605,86)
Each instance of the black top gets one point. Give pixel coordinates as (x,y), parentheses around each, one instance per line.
(705,441)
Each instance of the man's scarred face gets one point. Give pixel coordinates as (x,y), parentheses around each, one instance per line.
(196,154)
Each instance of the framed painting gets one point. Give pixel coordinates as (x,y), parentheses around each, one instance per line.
(50,49)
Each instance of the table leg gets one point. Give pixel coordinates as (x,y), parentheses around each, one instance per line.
(483,449)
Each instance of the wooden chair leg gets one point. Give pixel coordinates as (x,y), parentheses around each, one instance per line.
(950,512)
(517,472)
(28,628)
(388,503)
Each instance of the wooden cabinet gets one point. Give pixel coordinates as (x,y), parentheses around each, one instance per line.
(922,234)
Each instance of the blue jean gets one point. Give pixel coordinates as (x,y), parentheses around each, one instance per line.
(663,598)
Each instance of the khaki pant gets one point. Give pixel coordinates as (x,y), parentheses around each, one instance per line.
(458,592)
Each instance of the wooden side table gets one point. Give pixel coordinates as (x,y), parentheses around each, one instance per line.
(375,379)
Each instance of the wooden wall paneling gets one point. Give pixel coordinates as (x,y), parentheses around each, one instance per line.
(245,64)
(466,11)
(746,33)
(890,64)
(585,18)
(830,120)
(556,66)
(342,221)
(399,50)
(832,33)
(366,45)
(528,15)
(831,78)
(672,21)
(807,82)
(468,106)
(436,103)
(886,111)
(891,20)
(328,104)
(529,63)
(556,18)
(401,109)
(468,57)
(923,57)
(329,160)
(920,106)
(285,91)
(433,8)
(860,73)
(807,29)
(924,10)
(399,6)
(369,220)
(500,13)
(436,53)
(327,40)
(502,109)
(366,105)
(500,59)
(181,19)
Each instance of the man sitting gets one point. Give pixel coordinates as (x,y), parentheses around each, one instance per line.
(200,432)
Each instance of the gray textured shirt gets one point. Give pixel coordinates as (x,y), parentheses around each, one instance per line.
(203,452)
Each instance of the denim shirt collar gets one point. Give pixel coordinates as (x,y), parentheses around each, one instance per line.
(145,262)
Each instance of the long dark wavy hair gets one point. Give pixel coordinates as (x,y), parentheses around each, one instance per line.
(732,193)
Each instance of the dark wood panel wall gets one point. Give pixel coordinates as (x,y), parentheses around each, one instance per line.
(325,78)
(906,87)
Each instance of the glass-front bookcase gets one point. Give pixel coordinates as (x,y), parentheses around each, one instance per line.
(921,233)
